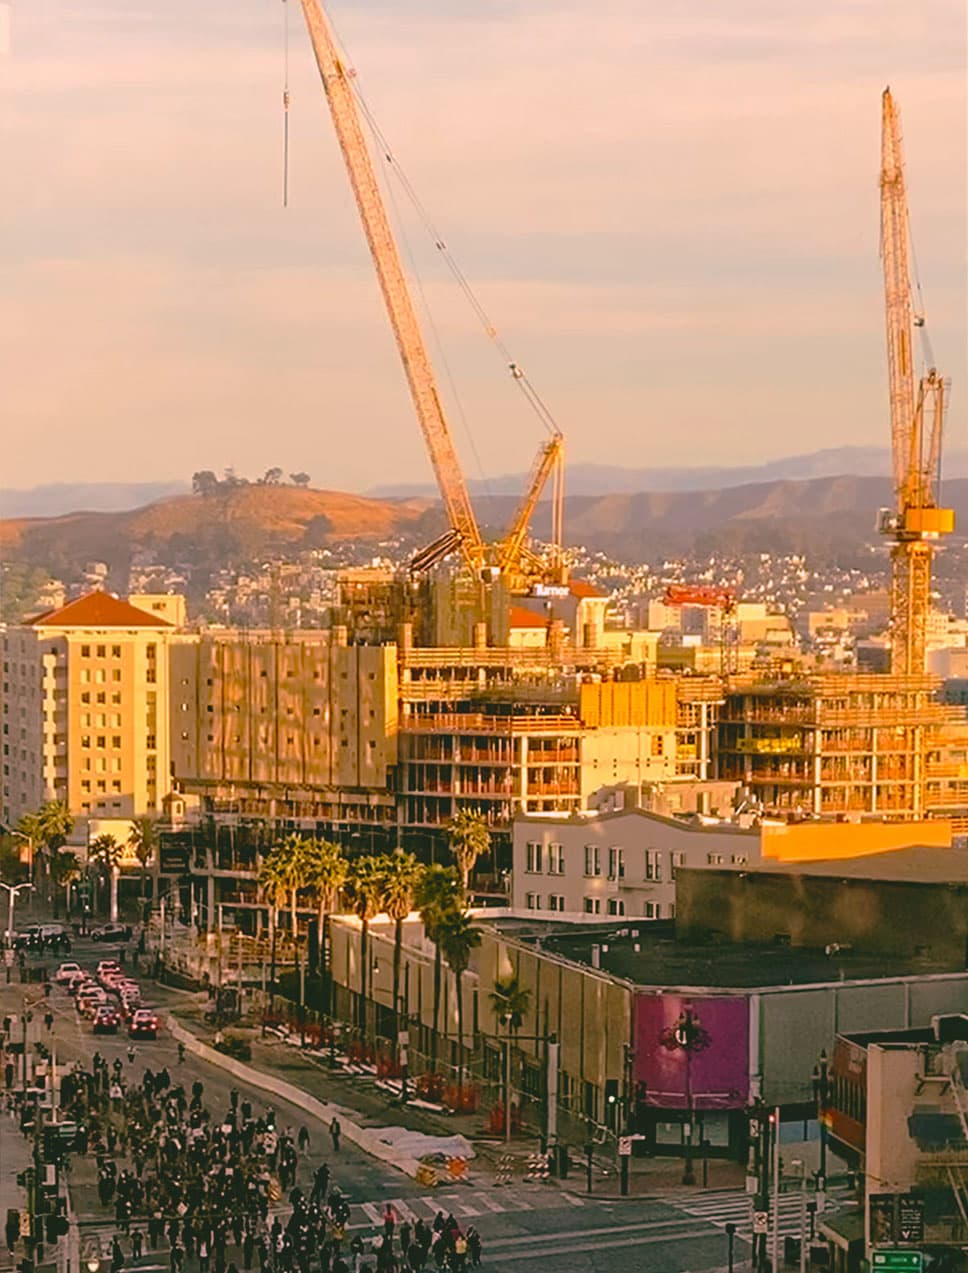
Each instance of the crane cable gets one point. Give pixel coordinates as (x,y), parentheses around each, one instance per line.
(285,104)
(517,373)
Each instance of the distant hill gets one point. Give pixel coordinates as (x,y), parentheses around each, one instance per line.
(235,526)
(100,497)
(611,479)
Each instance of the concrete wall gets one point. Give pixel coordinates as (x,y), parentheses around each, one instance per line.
(882,917)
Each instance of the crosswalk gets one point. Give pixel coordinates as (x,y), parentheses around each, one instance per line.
(736,1206)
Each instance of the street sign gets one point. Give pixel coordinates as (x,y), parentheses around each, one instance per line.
(761,1221)
(910,1218)
(887,1261)
(625,1146)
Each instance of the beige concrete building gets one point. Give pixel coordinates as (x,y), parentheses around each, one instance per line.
(85,710)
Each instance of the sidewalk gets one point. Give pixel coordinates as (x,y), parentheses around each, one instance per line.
(15,1156)
(373,1106)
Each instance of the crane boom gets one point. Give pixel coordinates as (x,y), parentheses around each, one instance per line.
(393,285)
(547,459)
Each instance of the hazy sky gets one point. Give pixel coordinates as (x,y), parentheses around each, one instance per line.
(669,207)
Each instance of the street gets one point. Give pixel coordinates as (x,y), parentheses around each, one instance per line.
(521,1225)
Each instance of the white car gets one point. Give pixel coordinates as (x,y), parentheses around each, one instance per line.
(66,972)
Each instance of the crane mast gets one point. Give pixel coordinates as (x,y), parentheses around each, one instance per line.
(917,422)
(396,296)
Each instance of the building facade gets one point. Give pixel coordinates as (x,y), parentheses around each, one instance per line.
(85,710)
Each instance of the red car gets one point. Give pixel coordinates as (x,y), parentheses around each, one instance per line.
(143,1024)
(107,1020)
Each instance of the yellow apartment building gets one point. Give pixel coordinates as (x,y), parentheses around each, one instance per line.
(85,710)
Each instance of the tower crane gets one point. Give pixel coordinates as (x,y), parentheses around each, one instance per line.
(509,558)
(917,421)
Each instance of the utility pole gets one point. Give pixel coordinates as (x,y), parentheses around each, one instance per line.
(628,1056)
(821,1090)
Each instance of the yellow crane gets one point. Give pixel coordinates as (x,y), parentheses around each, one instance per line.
(917,422)
(511,557)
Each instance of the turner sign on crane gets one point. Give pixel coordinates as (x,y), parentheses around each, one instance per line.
(510,558)
(917,422)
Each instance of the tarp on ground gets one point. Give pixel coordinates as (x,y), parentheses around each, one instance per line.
(426,1148)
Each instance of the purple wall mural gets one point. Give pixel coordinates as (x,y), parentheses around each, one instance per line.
(717,1068)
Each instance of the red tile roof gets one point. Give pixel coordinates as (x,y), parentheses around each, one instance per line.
(98,610)
(582,588)
(522,617)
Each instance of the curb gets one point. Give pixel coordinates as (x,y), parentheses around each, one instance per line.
(364,1138)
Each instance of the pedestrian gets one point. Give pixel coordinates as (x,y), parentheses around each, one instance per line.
(405,1236)
(12,1229)
(137,1244)
(389,1222)
(474,1246)
(49,1021)
(303,1139)
(335,1131)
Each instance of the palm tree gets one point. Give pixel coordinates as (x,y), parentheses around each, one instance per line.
(363,890)
(65,871)
(459,937)
(510,1002)
(469,839)
(273,885)
(105,852)
(286,867)
(438,896)
(143,839)
(54,824)
(325,874)
(400,875)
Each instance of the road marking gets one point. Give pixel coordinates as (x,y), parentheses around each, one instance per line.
(458,1205)
(403,1211)
(432,1204)
(488,1202)
(373,1211)
(571,1199)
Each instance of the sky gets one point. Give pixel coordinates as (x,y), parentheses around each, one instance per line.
(668,208)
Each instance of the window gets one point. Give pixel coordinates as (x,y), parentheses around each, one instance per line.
(678,858)
(86,696)
(533,850)
(556,859)
(101,651)
(85,740)
(715,859)
(616,906)
(151,650)
(556,902)
(740,859)
(592,906)
(115,651)
(116,697)
(616,864)
(85,651)
(100,740)
(593,865)
(652,910)
(85,675)
(101,696)
(149,676)
(653,864)
(116,785)
(658,745)
(150,742)
(532,901)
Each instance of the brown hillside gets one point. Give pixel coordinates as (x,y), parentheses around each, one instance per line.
(210,531)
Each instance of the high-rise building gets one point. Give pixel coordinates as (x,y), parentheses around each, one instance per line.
(85,710)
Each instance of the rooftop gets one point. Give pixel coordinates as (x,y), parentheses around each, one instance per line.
(646,953)
(919,864)
(98,610)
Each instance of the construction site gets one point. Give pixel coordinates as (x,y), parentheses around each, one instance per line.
(483,677)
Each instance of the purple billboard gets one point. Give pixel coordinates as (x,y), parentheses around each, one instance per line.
(692,1050)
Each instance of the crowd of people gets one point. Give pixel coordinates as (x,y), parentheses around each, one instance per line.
(224,1191)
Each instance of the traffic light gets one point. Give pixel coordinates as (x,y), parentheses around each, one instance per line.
(611,1103)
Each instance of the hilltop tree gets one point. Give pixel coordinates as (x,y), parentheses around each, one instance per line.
(204,482)
(272,477)
(299,479)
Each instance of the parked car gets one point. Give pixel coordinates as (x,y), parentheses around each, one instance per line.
(66,973)
(111,932)
(106,1020)
(143,1024)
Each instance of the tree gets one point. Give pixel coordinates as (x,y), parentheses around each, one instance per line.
(204,482)
(400,875)
(510,1002)
(46,830)
(272,477)
(458,937)
(285,871)
(12,869)
(143,838)
(65,871)
(363,891)
(105,853)
(299,479)
(438,896)
(469,839)
(325,874)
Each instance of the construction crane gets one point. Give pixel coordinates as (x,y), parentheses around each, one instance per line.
(717,598)
(509,558)
(917,422)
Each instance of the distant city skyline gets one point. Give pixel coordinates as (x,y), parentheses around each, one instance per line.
(671,215)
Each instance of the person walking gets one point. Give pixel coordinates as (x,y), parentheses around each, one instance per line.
(303,1139)
(335,1131)
(389,1222)
(137,1244)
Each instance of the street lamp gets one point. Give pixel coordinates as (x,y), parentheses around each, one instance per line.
(688,1036)
(507,1019)
(12,891)
(821,1091)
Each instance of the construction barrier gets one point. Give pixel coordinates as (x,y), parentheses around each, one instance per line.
(539,1167)
(505,1170)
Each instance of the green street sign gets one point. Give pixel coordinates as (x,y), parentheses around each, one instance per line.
(897,1261)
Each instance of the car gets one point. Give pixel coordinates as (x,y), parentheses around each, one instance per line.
(107,965)
(112,979)
(89,998)
(143,1024)
(79,981)
(106,1020)
(111,932)
(90,1007)
(66,973)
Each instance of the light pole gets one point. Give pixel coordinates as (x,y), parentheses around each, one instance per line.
(12,891)
(506,1019)
(687,1036)
(821,1091)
